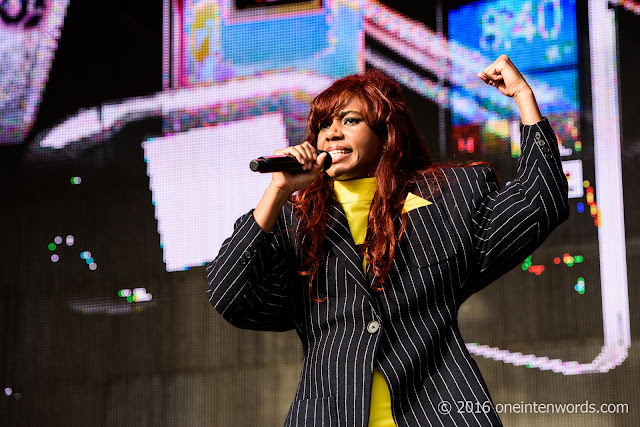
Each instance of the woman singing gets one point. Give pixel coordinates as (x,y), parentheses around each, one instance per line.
(370,260)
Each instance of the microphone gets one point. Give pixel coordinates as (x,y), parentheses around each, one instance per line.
(282,163)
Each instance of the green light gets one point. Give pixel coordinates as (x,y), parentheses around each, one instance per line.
(581,291)
(130,298)
(120,293)
(580,279)
(570,264)
(52,246)
(578,258)
(524,267)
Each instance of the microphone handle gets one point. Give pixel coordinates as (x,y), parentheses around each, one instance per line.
(266,164)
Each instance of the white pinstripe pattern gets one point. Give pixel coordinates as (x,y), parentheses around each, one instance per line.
(472,233)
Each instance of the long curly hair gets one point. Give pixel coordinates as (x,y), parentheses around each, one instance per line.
(403,158)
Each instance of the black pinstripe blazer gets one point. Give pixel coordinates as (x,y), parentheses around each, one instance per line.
(471,234)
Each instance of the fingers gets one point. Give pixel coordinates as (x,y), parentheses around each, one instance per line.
(319,163)
(304,153)
(492,75)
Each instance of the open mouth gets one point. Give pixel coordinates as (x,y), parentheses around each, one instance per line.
(338,155)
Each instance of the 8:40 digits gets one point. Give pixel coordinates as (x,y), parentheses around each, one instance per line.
(501,25)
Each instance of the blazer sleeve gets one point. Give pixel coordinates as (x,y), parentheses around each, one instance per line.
(250,279)
(511,222)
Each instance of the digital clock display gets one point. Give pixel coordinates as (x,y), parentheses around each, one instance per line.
(535,34)
(540,38)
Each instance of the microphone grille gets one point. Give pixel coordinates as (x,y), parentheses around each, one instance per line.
(254,165)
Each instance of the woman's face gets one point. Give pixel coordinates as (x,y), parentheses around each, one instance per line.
(354,147)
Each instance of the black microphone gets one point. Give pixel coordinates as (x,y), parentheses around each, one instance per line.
(282,163)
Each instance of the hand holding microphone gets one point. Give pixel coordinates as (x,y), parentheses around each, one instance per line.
(293,167)
(283,163)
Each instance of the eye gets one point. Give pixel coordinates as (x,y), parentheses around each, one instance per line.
(352,120)
(324,126)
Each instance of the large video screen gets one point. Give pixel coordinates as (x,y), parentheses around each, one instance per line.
(541,38)
(29,33)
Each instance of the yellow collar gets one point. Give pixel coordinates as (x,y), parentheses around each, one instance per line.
(355,190)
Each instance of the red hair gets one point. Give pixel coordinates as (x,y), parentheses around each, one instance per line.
(404,156)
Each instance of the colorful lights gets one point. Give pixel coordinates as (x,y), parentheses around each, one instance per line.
(535,269)
(54,245)
(577,146)
(70,240)
(138,295)
(86,256)
(569,260)
(467,145)
(76,180)
(11,393)
(579,287)
(593,206)
(630,5)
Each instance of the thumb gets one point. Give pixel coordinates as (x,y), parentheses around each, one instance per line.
(319,163)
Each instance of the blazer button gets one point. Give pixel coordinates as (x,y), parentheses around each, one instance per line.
(538,136)
(242,261)
(540,143)
(247,255)
(373,326)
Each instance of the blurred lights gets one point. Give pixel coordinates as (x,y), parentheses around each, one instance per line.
(76,180)
(569,260)
(10,393)
(137,295)
(577,145)
(630,5)
(593,206)
(467,145)
(579,287)
(535,269)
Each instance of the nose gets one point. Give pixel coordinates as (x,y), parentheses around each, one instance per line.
(334,131)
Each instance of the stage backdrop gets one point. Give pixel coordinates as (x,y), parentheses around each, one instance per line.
(137,167)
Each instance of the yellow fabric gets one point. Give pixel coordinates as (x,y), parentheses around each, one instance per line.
(380,412)
(355,196)
(412,202)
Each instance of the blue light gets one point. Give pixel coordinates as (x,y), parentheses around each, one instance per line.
(580,207)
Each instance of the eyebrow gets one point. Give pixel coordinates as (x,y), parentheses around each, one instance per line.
(341,114)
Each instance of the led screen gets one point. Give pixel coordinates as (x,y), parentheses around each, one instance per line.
(29,33)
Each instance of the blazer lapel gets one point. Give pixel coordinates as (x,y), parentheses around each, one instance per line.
(342,245)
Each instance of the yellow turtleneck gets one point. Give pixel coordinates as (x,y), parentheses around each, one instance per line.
(355,196)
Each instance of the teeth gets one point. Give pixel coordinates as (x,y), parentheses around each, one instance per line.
(338,152)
